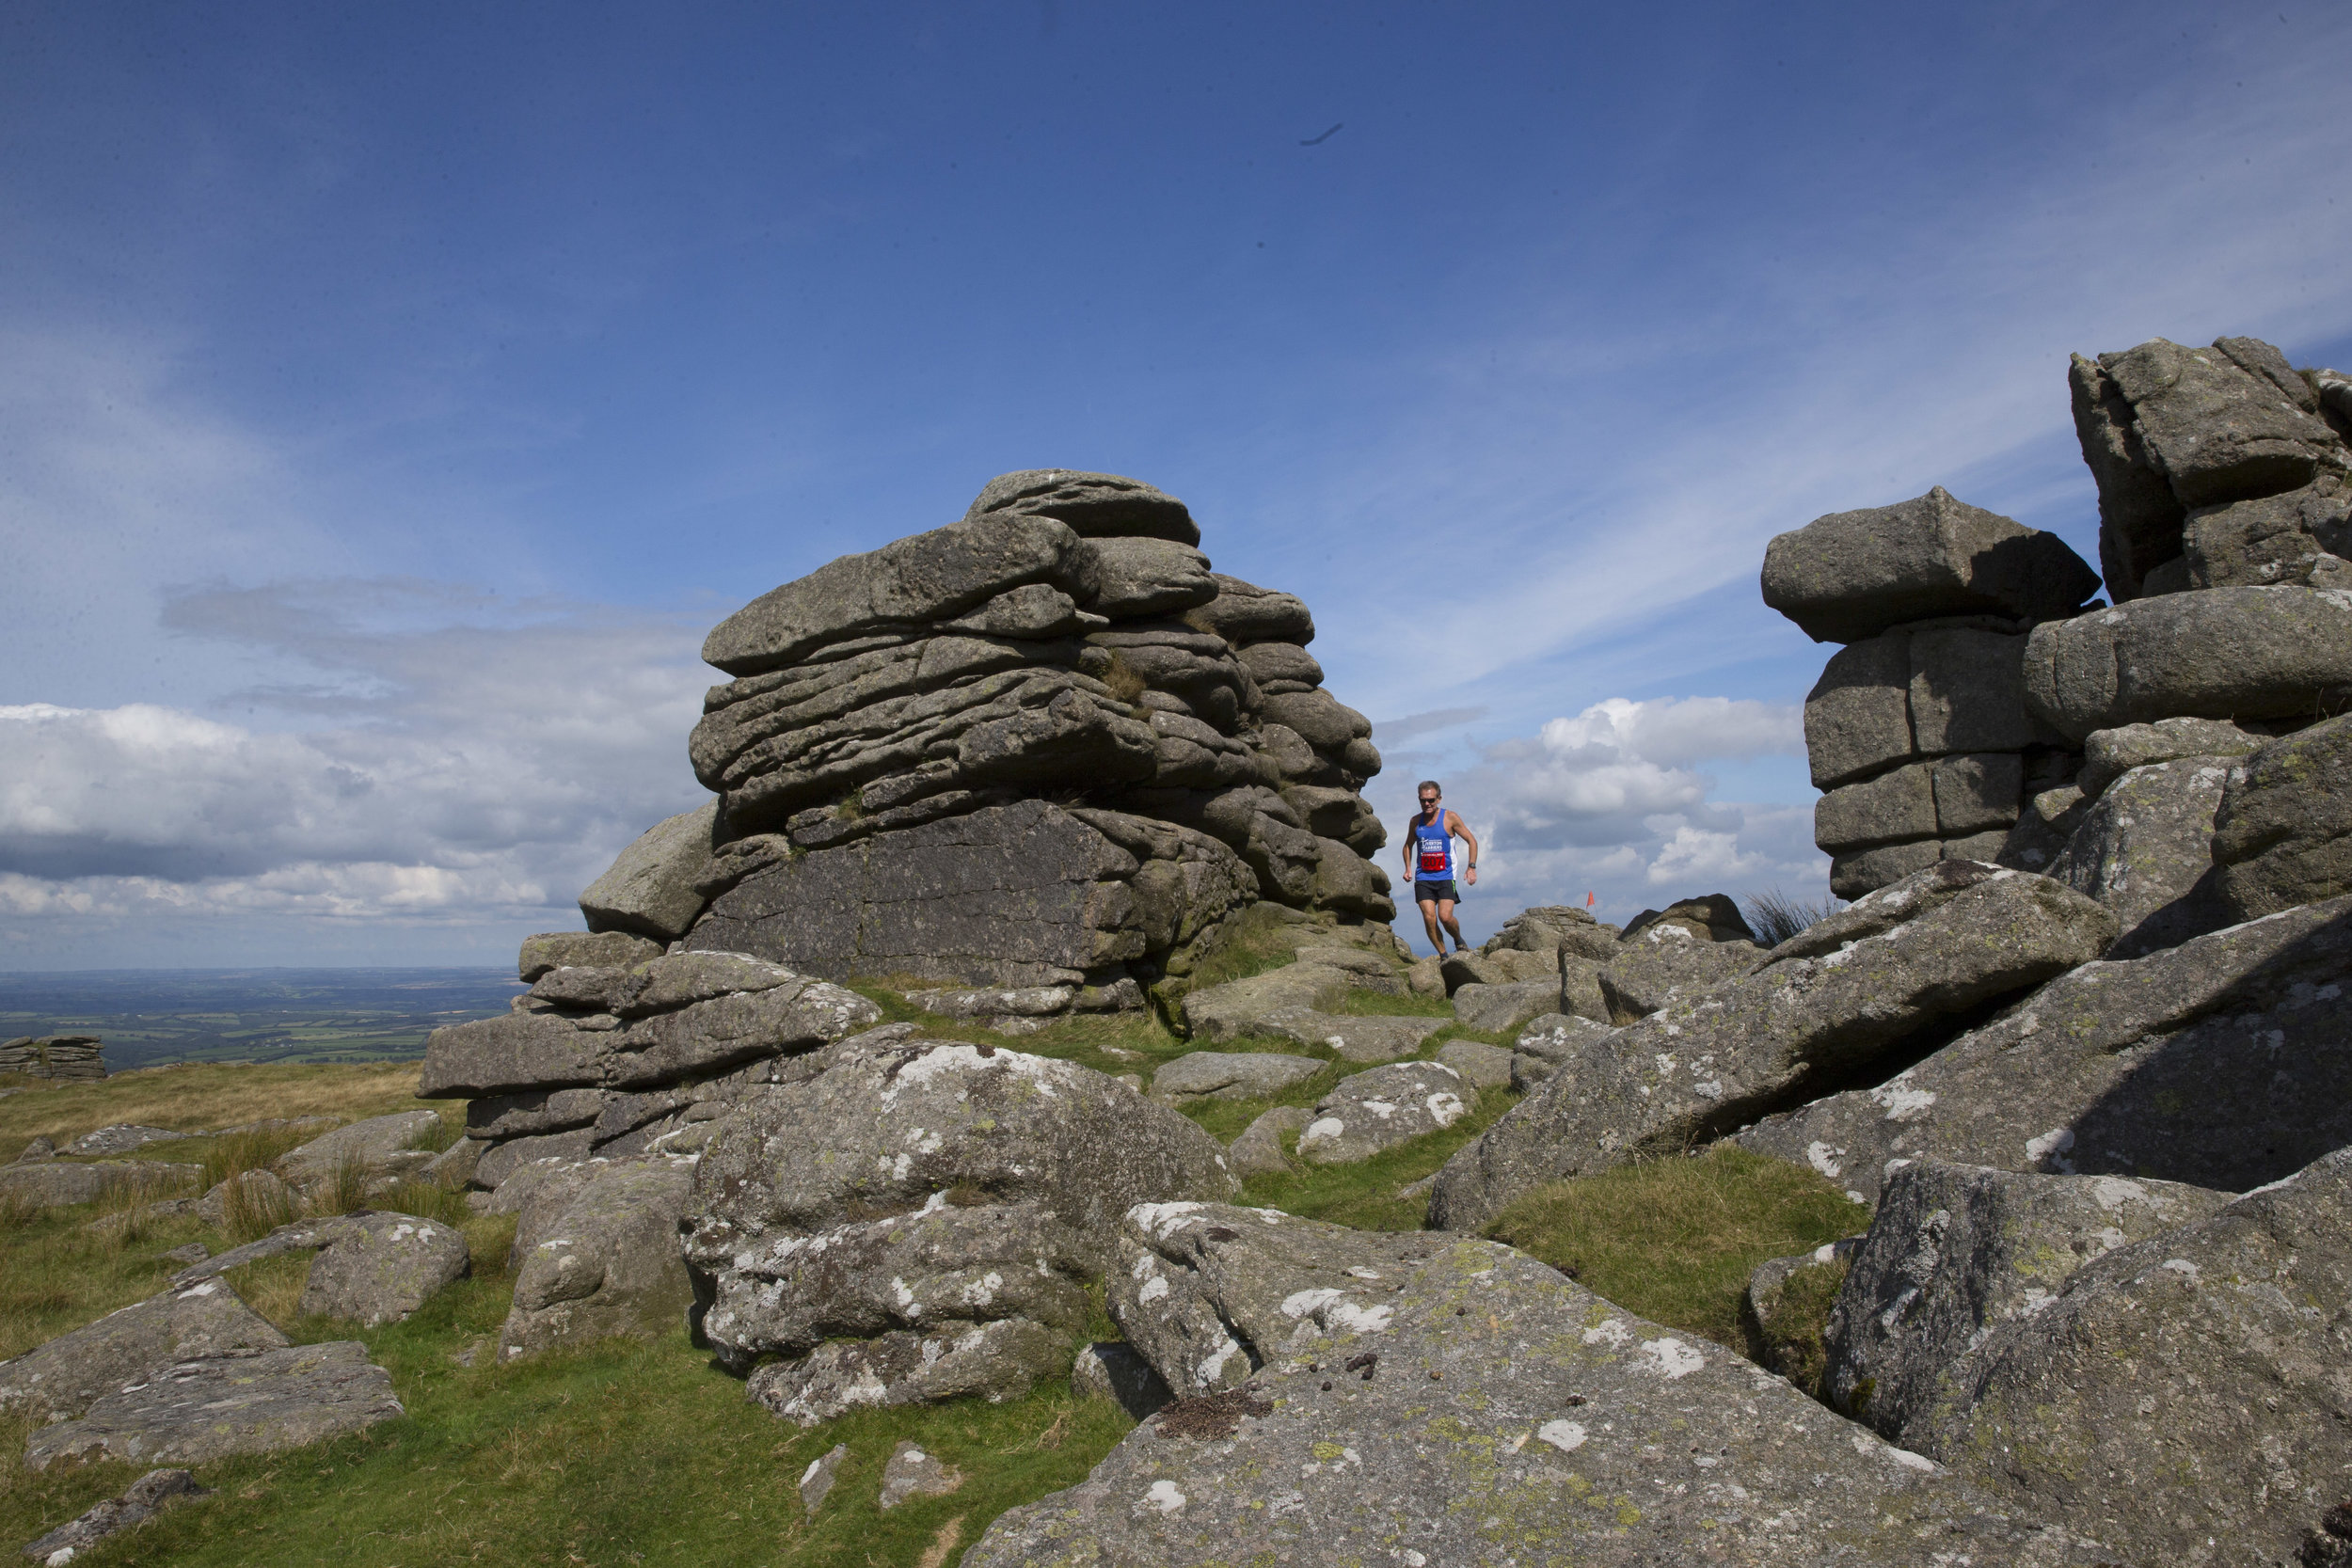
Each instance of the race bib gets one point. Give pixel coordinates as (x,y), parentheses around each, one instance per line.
(1433,856)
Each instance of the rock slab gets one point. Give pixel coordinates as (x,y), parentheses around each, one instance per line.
(216,1406)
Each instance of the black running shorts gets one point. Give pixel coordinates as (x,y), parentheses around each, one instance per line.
(1436,892)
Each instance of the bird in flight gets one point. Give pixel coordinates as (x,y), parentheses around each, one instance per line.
(1318,141)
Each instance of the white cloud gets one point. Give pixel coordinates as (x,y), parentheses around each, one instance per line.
(1610,801)
(459,761)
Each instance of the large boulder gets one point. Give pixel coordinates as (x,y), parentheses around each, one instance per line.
(604,1259)
(1381,1107)
(1348,1397)
(650,890)
(1095,506)
(60,1183)
(1022,895)
(1847,993)
(2108,754)
(2144,848)
(372,1145)
(65,1377)
(1956,1251)
(1556,928)
(1853,575)
(231,1403)
(2225,1062)
(686,1015)
(2183,1397)
(933,1208)
(379,1268)
(2301,536)
(67,1056)
(2238,653)
(1665,963)
(1499,1009)
(552,950)
(2283,833)
(1229,1075)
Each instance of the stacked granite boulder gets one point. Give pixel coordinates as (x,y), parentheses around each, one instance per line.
(1918,729)
(1028,763)
(54,1056)
(1043,747)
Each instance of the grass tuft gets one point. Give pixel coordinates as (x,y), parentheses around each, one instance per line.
(1794,1343)
(1775,916)
(1676,1237)
(235,1153)
(428,1200)
(345,1188)
(251,1211)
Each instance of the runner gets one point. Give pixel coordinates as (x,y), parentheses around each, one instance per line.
(1429,864)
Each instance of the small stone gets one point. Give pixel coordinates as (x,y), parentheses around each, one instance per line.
(913,1473)
(817,1479)
(148,1496)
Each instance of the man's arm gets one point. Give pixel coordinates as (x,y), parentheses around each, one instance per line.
(1455,825)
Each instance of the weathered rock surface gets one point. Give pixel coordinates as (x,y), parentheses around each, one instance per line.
(1229,1075)
(65,1377)
(684,1019)
(1382,1107)
(816,1482)
(72,1056)
(1093,505)
(1711,917)
(1499,1008)
(912,1472)
(552,950)
(2238,653)
(121,1138)
(2166,428)
(2283,835)
(1665,964)
(1549,1041)
(992,1360)
(604,1259)
(2301,536)
(1483,1067)
(237,1402)
(2108,754)
(2144,848)
(146,1496)
(2186,1396)
(58,1183)
(1947,943)
(1853,575)
(943,1203)
(650,890)
(379,1268)
(1554,928)
(1505,966)
(2224,1063)
(1480,1408)
(1259,1149)
(370,1145)
(1953,1253)
(1112,1370)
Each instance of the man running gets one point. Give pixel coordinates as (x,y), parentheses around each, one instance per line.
(1429,863)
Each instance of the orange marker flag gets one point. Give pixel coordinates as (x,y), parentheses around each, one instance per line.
(1588,900)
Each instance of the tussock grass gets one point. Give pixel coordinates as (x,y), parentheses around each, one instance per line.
(251,1210)
(429,1200)
(344,1187)
(238,1152)
(127,1211)
(1676,1237)
(1775,916)
(203,1095)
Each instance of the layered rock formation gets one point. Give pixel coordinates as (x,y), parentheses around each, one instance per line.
(54,1056)
(1918,729)
(1045,746)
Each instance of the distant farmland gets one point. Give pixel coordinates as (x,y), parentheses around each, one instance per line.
(150,1016)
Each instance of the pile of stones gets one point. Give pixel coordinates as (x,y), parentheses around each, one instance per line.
(54,1056)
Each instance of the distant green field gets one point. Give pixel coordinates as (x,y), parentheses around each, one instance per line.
(147,1017)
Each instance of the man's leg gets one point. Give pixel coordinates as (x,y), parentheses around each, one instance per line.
(1444,911)
(1429,919)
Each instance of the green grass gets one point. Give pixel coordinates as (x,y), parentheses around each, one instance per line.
(1364,1195)
(1794,1342)
(1676,1237)
(620,1453)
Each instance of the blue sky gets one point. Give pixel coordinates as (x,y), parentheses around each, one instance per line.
(390,396)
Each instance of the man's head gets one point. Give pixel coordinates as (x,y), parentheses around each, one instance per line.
(1430,794)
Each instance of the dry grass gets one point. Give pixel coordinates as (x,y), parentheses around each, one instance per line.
(203,1095)
(428,1200)
(1775,916)
(258,1149)
(251,1210)
(344,1189)
(1676,1237)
